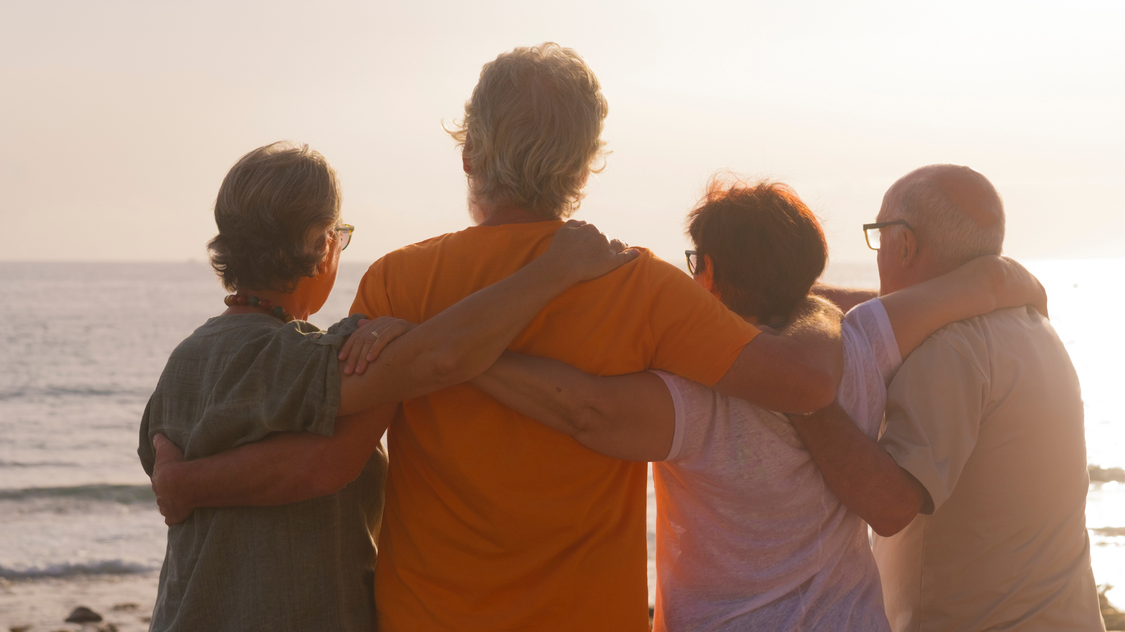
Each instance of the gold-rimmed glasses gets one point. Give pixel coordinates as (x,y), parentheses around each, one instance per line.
(345,235)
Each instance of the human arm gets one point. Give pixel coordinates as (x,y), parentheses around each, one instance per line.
(863,476)
(465,339)
(287,467)
(934,406)
(629,417)
(978,287)
(449,348)
(797,371)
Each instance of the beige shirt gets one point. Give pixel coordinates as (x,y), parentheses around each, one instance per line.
(988,416)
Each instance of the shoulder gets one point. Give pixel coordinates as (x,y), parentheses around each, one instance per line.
(220,332)
(978,335)
(973,342)
(424,249)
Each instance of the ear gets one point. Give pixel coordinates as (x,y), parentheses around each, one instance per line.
(707,277)
(908,247)
(322,265)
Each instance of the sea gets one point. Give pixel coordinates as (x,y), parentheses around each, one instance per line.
(84,344)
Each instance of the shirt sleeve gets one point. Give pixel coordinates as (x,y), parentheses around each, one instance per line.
(371,299)
(870,318)
(696,408)
(694,334)
(934,408)
(678,403)
(284,381)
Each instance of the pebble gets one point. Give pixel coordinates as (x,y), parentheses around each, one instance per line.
(82,614)
(126,607)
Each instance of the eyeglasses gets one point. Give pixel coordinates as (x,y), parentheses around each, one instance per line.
(874,232)
(345,235)
(695,263)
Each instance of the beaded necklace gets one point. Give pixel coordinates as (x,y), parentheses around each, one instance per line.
(241,300)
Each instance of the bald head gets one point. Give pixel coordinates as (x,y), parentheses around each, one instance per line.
(955,212)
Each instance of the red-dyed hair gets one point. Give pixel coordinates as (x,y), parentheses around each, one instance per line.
(767,248)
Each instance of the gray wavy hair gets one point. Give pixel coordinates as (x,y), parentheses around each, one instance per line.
(532,130)
(276,210)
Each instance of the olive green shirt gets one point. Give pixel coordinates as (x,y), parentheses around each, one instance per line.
(303,566)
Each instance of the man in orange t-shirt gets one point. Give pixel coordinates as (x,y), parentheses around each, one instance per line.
(493,521)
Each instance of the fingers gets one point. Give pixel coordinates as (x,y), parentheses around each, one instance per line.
(370,340)
(165,450)
(354,347)
(346,349)
(393,331)
(381,334)
(625,256)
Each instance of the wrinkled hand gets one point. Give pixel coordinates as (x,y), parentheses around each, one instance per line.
(586,252)
(1036,294)
(362,347)
(1012,284)
(167,457)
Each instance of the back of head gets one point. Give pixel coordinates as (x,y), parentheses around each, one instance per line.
(275,211)
(767,247)
(532,130)
(954,211)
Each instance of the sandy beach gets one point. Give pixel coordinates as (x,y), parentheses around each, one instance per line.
(123,601)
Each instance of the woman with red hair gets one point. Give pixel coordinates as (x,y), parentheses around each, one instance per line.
(748,535)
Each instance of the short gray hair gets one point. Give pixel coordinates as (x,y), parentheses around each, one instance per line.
(275,211)
(532,130)
(952,209)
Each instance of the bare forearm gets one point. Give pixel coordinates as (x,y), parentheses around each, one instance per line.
(273,472)
(795,372)
(630,417)
(975,288)
(861,474)
(284,468)
(459,343)
(552,393)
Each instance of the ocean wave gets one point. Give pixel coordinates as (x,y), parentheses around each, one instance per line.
(39,464)
(122,494)
(73,391)
(104,567)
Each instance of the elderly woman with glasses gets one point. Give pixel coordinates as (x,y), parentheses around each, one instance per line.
(748,534)
(259,368)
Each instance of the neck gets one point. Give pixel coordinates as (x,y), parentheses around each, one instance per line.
(498,214)
(295,303)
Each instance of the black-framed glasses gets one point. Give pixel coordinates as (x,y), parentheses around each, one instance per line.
(874,232)
(695,263)
(345,235)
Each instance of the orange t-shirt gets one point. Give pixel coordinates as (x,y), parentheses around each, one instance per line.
(494,521)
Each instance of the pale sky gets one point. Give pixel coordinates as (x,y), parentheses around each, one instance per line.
(118,120)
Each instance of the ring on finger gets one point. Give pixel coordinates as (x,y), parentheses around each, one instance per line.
(375,335)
